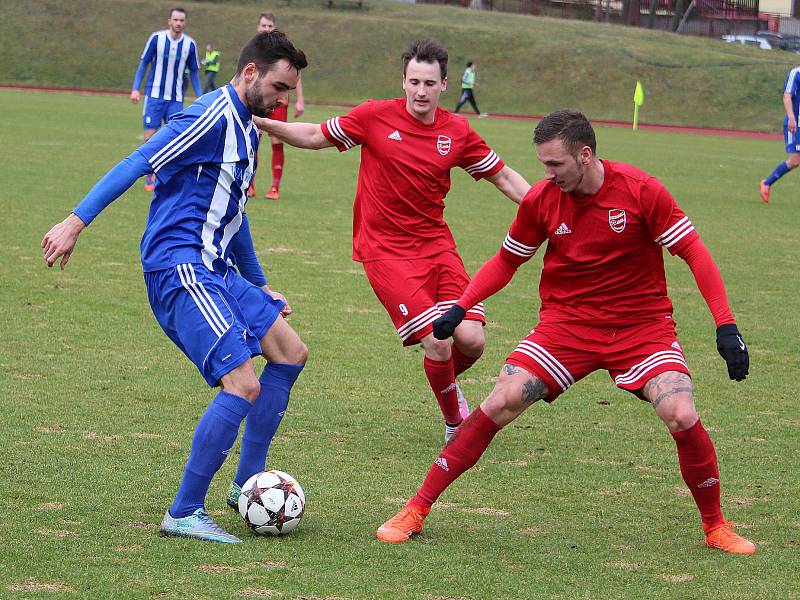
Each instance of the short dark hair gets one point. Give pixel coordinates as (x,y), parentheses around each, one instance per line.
(570,126)
(267,48)
(178,9)
(469,64)
(429,51)
(269,16)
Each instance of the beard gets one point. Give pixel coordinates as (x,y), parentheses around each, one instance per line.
(256,104)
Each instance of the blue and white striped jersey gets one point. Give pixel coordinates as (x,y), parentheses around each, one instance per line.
(168,60)
(792,86)
(204,161)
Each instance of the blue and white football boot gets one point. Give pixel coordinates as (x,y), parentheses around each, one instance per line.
(196,525)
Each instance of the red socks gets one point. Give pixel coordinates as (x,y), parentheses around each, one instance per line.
(277,164)
(698,463)
(443,383)
(461,361)
(465,448)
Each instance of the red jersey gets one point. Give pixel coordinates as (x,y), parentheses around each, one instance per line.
(405,175)
(604,259)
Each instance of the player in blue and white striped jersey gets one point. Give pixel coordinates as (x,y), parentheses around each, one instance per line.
(791,135)
(168,53)
(204,161)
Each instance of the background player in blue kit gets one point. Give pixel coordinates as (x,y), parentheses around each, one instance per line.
(168,53)
(791,103)
(204,159)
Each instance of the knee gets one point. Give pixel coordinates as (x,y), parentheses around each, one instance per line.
(247,387)
(680,416)
(298,353)
(470,338)
(436,349)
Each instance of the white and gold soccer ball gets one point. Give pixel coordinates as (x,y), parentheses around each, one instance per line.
(272,503)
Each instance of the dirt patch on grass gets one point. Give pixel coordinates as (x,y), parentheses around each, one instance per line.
(57,533)
(35,586)
(680,578)
(533,531)
(488,511)
(273,564)
(628,566)
(259,593)
(219,568)
(93,435)
(142,525)
(49,506)
(51,429)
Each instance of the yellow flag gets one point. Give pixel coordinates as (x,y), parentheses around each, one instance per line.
(638,95)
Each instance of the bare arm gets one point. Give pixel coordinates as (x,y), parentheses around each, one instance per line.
(511,183)
(787,105)
(299,135)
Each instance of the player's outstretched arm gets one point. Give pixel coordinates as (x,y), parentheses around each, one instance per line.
(299,135)
(709,281)
(511,183)
(62,237)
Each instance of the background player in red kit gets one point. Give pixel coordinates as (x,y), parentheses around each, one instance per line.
(267,22)
(408,147)
(604,306)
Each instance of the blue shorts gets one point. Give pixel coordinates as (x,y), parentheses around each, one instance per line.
(216,321)
(792,140)
(156,110)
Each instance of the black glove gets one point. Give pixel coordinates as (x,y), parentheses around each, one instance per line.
(731,347)
(444,326)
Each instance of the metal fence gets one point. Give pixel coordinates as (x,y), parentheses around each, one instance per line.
(698,17)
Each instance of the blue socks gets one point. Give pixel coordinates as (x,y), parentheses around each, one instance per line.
(213,438)
(781,170)
(265,417)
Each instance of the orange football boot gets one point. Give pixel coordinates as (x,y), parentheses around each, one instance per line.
(273,194)
(403,525)
(724,538)
(251,191)
(149,183)
(764,192)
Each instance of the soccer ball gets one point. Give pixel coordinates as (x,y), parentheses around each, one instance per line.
(272,503)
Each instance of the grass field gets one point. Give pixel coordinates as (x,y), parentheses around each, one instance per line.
(580,499)
(526,64)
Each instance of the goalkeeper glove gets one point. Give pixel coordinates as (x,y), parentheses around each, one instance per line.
(732,348)
(444,326)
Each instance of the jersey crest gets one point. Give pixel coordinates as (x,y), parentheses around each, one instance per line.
(617,219)
(443,144)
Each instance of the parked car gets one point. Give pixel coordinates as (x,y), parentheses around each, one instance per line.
(749,40)
(782,41)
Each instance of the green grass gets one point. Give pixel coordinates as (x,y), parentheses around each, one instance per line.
(580,499)
(527,65)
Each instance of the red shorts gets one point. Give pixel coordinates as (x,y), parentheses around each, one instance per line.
(281,113)
(562,353)
(417,291)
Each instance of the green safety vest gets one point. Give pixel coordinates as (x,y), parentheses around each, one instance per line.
(468,79)
(212,61)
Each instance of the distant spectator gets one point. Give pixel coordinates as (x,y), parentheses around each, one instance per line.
(467,85)
(211,64)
